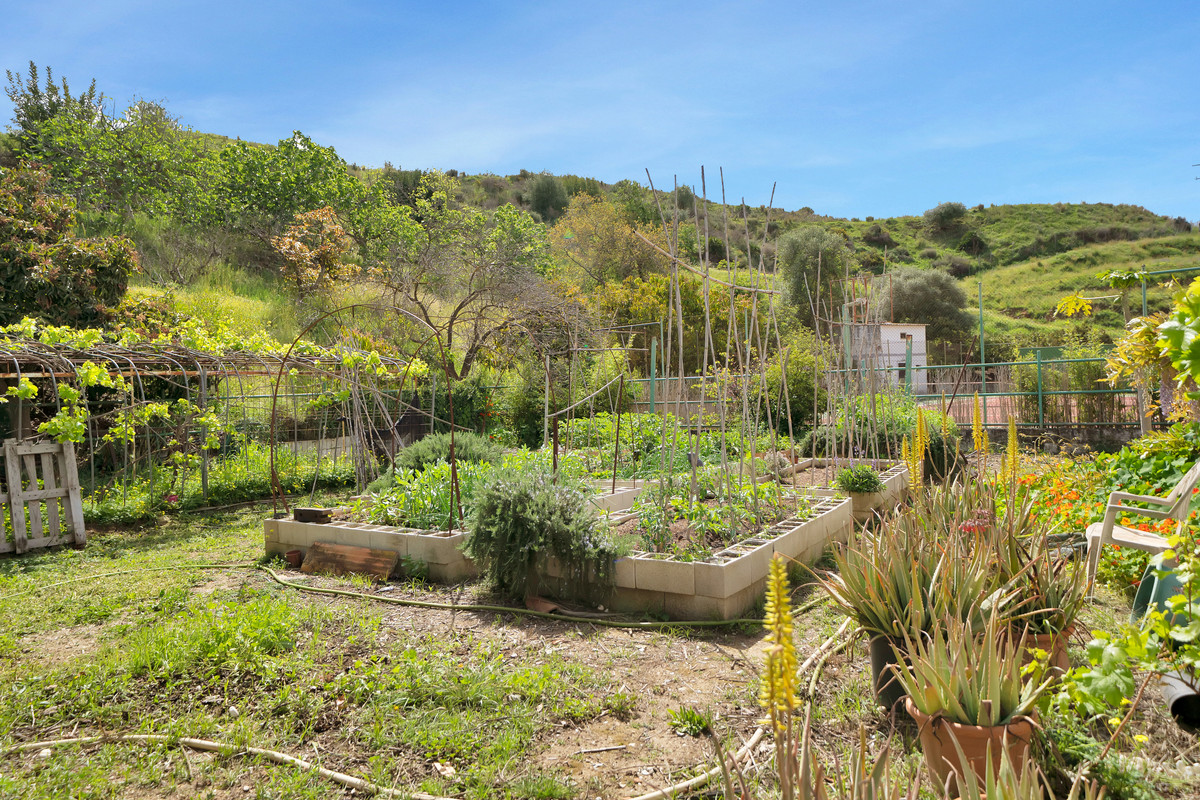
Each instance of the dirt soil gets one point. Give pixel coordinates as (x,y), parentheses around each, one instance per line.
(639,752)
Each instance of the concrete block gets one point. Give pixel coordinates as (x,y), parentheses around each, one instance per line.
(624,573)
(665,576)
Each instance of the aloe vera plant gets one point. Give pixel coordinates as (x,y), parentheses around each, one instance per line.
(968,677)
(901,580)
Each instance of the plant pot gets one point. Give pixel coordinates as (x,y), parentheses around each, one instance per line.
(294,558)
(865,503)
(884,682)
(1053,643)
(942,758)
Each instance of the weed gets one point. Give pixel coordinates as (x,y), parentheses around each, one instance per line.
(688,721)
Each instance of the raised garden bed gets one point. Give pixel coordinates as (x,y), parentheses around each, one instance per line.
(722,586)
(817,475)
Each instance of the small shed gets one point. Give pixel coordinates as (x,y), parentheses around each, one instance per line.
(882,347)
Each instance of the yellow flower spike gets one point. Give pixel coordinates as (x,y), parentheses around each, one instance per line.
(1009,474)
(778,690)
(978,434)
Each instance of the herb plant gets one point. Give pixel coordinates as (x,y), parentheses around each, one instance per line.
(859,479)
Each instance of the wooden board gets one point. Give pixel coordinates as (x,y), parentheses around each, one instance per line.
(344,559)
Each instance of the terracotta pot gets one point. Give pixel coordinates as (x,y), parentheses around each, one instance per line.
(1053,643)
(942,759)
(294,558)
(884,683)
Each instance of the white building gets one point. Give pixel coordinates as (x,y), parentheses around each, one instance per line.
(883,347)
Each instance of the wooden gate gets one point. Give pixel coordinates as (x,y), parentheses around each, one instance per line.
(40,477)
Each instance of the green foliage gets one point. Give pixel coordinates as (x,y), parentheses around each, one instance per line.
(547,197)
(945,216)
(874,426)
(931,297)
(805,255)
(723,512)
(143,494)
(860,478)
(260,189)
(522,517)
(45,271)
(468,448)
(689,721)
(424,499)
(1072,746)
(34,105)
(1152,464)
(230,639)
(804,360)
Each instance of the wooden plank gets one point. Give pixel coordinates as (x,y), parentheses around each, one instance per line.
(74,501)
(45,494)
(12,470)
(344,559)
(53,526)
(36,530)
(38,448)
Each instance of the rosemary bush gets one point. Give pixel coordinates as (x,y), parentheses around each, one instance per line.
(520,517)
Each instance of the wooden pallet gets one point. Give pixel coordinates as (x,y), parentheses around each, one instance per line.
(42,498)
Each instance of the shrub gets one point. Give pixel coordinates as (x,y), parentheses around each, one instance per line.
(859,479)
(876,235)
(957,266)
(521,517)
(469,447)
(945,216)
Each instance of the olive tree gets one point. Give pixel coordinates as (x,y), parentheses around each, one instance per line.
(809,259)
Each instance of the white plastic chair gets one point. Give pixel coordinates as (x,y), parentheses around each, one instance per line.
(1175,505)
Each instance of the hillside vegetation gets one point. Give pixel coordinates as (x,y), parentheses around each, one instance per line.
(268,237)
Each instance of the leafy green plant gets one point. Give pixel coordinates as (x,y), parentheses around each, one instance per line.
(469,448)
(722,511)
(859,479)
(425,499)
(689,721)
(521,517)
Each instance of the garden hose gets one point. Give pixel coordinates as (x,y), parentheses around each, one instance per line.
(221,747)
(606,623)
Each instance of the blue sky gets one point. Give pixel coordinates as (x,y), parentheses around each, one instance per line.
(851,108)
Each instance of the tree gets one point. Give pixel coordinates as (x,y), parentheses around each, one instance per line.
(931,297)
(142,160)
(633,201)
(45,271)
(599,246)
(810,258)
(547,197)
(33,105)
(312,250)
(262,188)
(467,275)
